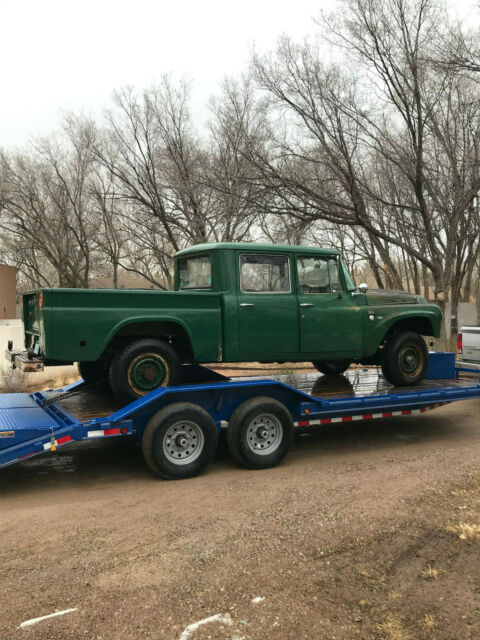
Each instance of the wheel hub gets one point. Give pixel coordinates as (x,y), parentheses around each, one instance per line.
(410,360)
(264,434)
(147,372)
(183,442)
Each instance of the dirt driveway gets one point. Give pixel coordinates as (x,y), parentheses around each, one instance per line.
(367,530)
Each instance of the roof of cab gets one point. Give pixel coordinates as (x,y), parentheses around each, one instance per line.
(255,246)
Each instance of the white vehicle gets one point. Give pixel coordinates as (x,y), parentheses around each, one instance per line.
(469,347)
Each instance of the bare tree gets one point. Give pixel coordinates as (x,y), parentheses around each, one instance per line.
(372,160)
(46,210)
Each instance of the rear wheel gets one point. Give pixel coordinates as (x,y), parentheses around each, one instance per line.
(179,441)
(260,433)
(331,367)
(405,359)
(142,366)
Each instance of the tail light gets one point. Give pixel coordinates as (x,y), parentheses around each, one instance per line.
(40,301)
(460,344)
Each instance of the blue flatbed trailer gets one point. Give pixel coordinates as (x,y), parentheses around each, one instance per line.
(178,427)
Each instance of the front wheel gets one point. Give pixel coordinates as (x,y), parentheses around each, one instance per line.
(260,433)
(142,366)
(405,359)
(331,367)
(179,441)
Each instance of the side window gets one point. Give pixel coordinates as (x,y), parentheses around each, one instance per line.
(195,273)
(318,275)
(264,274)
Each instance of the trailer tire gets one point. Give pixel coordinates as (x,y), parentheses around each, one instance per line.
(331,367)
(405,359)
(179,441)
(142,366)
(260,433)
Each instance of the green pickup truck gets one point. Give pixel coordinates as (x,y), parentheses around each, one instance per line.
(233,302)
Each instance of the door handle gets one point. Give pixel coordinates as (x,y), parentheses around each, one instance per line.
(306,304)
(246,304)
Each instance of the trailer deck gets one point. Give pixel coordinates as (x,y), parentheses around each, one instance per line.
(178,427)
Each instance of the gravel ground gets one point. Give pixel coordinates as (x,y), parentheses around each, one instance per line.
(367,530)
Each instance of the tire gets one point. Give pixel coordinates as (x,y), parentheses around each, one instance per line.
(260,433)
(142,366)
(331,368)
(405,359)
(179,441)
(94,371)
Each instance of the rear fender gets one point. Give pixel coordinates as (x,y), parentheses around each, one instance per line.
(144,320)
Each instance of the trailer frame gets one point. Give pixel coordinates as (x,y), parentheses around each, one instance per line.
(32,424)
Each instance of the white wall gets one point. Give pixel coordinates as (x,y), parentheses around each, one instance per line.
(10,330)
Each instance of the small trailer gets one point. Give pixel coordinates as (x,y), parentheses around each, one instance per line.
(178,427)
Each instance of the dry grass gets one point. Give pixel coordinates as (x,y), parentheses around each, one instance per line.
(391,629)
(429,621)
(20,382)
(465,531)
(430,573)
(13,383)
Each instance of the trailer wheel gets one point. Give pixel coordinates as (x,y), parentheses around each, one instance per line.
(142,366)
(331,367)
(179,441)
(405,359)
(260,433)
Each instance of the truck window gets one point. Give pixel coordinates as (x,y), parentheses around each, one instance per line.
(195,273)
(318,275)
(264,274)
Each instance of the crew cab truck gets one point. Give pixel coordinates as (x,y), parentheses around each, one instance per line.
(232,302)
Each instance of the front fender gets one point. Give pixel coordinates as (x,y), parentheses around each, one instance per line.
(426,321)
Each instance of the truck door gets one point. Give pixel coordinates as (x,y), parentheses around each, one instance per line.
(267,306)
(330,319)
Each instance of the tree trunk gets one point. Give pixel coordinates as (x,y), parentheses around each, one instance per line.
(426,288)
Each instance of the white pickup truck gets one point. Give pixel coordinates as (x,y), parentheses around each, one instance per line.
(469,347)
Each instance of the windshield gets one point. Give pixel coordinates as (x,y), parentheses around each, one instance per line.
(195,273)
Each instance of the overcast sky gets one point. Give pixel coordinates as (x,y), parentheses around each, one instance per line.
(59,55)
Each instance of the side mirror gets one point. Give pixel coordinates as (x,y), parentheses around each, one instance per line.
(363,287)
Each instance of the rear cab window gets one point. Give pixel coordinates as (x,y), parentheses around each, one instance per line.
(264,273)
(195,272)
(318,274)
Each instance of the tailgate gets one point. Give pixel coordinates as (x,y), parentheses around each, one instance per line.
(471,344)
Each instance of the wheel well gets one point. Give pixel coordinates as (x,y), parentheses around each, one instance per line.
(422,326)
(171,332)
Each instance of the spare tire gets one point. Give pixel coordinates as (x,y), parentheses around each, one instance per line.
(93,372)
(331,367)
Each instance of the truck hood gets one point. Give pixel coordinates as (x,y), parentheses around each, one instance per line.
(384,296)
